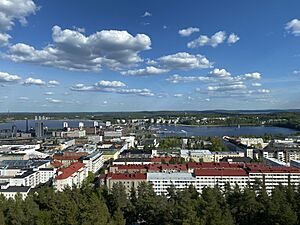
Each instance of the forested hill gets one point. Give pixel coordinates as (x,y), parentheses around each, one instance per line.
(98,207)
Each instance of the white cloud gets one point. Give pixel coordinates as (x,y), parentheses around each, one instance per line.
(254,75)
(11,10)
(32,81)
(149,70)
(49,93)
(184,61)
(146,14)
(53,83)
(72,50)
(55,101)
(219,73)
(263,91)
(214,40)
(178,95)
(6,77)
(294,27)
(256,84)
(260,91)
(23,98)
(296,72)
(141,92)
(4,39)
(177,78)
(227,87)
(188,31)
(115,84)
(233,38)
(110,89)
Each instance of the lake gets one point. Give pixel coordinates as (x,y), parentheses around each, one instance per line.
(188,131)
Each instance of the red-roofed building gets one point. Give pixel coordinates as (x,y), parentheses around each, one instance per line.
(202,175)
(68,158)
(274,176)
(73,175)
(132,180)
(128,169)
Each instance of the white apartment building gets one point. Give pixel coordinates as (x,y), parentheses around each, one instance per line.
(46,174)
(162,181)
(220,177)
(29,178)
(94,161)
(11,191)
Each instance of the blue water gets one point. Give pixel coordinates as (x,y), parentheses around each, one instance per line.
(51,124)
(188,131)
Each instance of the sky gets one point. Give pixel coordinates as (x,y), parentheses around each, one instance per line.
(142,55)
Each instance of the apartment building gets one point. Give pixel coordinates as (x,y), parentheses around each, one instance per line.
(94,161)
(73,175)
(128,180)
(161,182)
(203,175)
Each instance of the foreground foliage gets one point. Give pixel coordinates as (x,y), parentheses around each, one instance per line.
(98,206)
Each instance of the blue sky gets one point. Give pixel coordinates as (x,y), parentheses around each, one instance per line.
(149,55)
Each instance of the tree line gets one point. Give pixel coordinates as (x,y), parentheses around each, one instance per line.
(98,206)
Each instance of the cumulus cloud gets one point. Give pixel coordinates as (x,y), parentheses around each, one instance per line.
(177,78)
(54,101)
(11,10)
(227,87)
(106,83)
(293,26)
(33,81)
(146,14)
(4,39)
(219,73)
(256,84)
(49,93)
(233,38)
(72,50)
(188,31)
(53,83)
(178,95)
(254,75)
(8,78)
(213,41)
(149,70)
(261,91)
(111,87)
(184,61)
(23,98)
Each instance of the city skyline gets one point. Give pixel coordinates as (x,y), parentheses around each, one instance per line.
(148,55)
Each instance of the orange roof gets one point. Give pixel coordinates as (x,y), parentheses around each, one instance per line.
(125,176)
(212,165)
(69,171)
(173,167)
(70,156)
(220,172)
(271,169)
(128,167)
